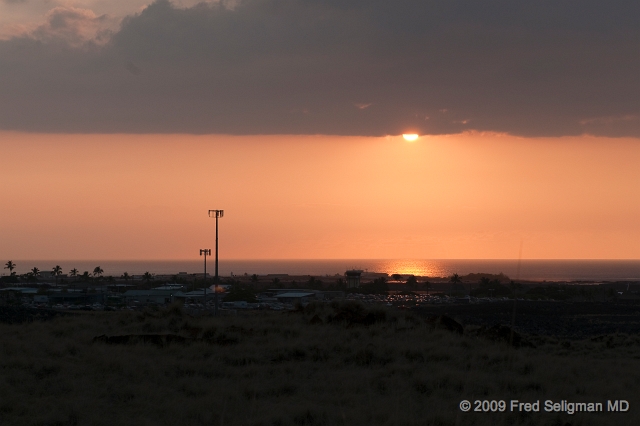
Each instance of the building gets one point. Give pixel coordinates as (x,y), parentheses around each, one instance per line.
(23,290)
(353,278)
(158,297)
(297,297)
(199,295)
(238,304)
(174,287)
(76,298)
(317,294)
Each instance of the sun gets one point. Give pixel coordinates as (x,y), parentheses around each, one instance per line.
(410,137)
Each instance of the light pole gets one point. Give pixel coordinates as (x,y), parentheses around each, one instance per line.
(216,214)
(205,252)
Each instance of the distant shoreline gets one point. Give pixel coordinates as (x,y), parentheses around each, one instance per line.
(527,270)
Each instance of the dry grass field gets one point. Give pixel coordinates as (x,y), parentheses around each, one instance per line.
(325,365)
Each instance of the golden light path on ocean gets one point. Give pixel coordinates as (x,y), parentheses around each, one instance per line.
(419,268)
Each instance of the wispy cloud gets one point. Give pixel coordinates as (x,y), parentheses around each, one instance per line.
(74,26)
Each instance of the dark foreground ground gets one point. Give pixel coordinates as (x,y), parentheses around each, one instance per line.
(572,320)
(341,364)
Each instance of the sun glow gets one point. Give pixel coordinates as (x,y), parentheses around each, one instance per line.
(414,267)
(410,137)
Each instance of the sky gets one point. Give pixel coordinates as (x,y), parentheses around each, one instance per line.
(123,122)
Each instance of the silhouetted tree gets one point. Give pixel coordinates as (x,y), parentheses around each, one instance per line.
(57,271)
(488,287)
(315,283)
(254,278)
(339,285)
(97,271)
(126,277)
(147,276)
(238,292)
(73,272)
(455,278)
(35,271)
(378,286)
(10,266)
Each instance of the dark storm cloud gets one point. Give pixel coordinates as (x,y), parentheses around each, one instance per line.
(350,67)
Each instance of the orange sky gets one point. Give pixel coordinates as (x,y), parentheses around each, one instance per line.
(462,196)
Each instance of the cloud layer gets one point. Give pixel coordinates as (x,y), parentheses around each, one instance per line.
(348,67)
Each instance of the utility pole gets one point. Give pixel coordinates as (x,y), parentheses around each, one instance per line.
(216,214)
(205,252)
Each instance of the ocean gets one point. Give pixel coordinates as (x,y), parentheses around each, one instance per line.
(529,269)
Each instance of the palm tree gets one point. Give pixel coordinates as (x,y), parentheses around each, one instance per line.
(126,278)
(455,278)
(147,276)
(97,271)
(74,274)
(57,271)
(85,276)
(10,266)
(35,272)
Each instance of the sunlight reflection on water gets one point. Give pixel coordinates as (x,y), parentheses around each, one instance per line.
(423,268)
